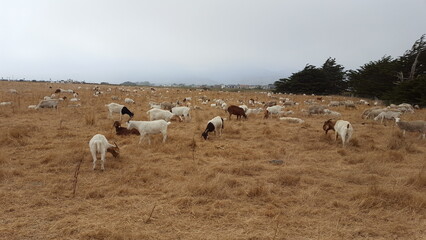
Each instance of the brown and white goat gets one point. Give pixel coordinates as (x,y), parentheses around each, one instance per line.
(341,128)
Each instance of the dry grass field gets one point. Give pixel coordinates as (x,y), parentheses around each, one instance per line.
(189,188)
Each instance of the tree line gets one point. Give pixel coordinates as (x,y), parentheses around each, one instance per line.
(395,80)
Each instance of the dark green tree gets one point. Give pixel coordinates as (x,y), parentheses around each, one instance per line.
(334,76)
(413,62)
(322,81)
(374,79)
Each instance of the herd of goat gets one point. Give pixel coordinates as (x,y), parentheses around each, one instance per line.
(161,114)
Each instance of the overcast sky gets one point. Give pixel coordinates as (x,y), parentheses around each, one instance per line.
(199,41)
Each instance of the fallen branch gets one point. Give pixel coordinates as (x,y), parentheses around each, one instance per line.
(77,171)
(150,215)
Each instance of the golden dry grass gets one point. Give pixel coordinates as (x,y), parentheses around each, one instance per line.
(188,188)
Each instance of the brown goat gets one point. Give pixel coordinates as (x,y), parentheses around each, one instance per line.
(266,115)
(235,110)
(328,125)
(119,130)
(115,151)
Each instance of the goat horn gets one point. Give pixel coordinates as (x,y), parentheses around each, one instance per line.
(116,144)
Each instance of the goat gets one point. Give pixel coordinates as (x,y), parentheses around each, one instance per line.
(389,115)
(60,90)
(156,114)
(316,109)
(99,144)
(349,104)
(235,110)
(329,112)
(412,126)
(215,124)
(253,111)
(244,107)
(334,104)
(273,110)
(181,112)
(5,103)
(119,130)
(292,120)
(52,103)
(371,112)
(167,105)
(129,100)
(270,104)
(149,127)
(118,108)
(341,128)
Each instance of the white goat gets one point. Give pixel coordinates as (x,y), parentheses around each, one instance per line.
(244,107)
(277,110)
(52,103)
(99,144)
(389,115)
(412,126)
(149,127)
(292,120)
(154,105)
(129,100)
(181,111)
(156,114)
(330,112)
(253,111)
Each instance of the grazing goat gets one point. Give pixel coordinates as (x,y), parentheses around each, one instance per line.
(372,112)
(118,108)
(129,100)
(253,111)
(334,104)
(52,103)
(119,130)
(99,144)
(316,109)
(341,128)
(235,110)
(167,105)
(215,124)
(149,127)
(181,112)
(273,110)
(329,112)
(412,126)
(157,114)
(389,115)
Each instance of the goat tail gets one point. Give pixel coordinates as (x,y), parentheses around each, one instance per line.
(98,146)
(348,126)
(222,123)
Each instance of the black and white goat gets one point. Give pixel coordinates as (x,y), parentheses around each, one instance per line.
(118,108)
(216,124)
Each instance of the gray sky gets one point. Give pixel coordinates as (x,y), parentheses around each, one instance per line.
(197,41)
